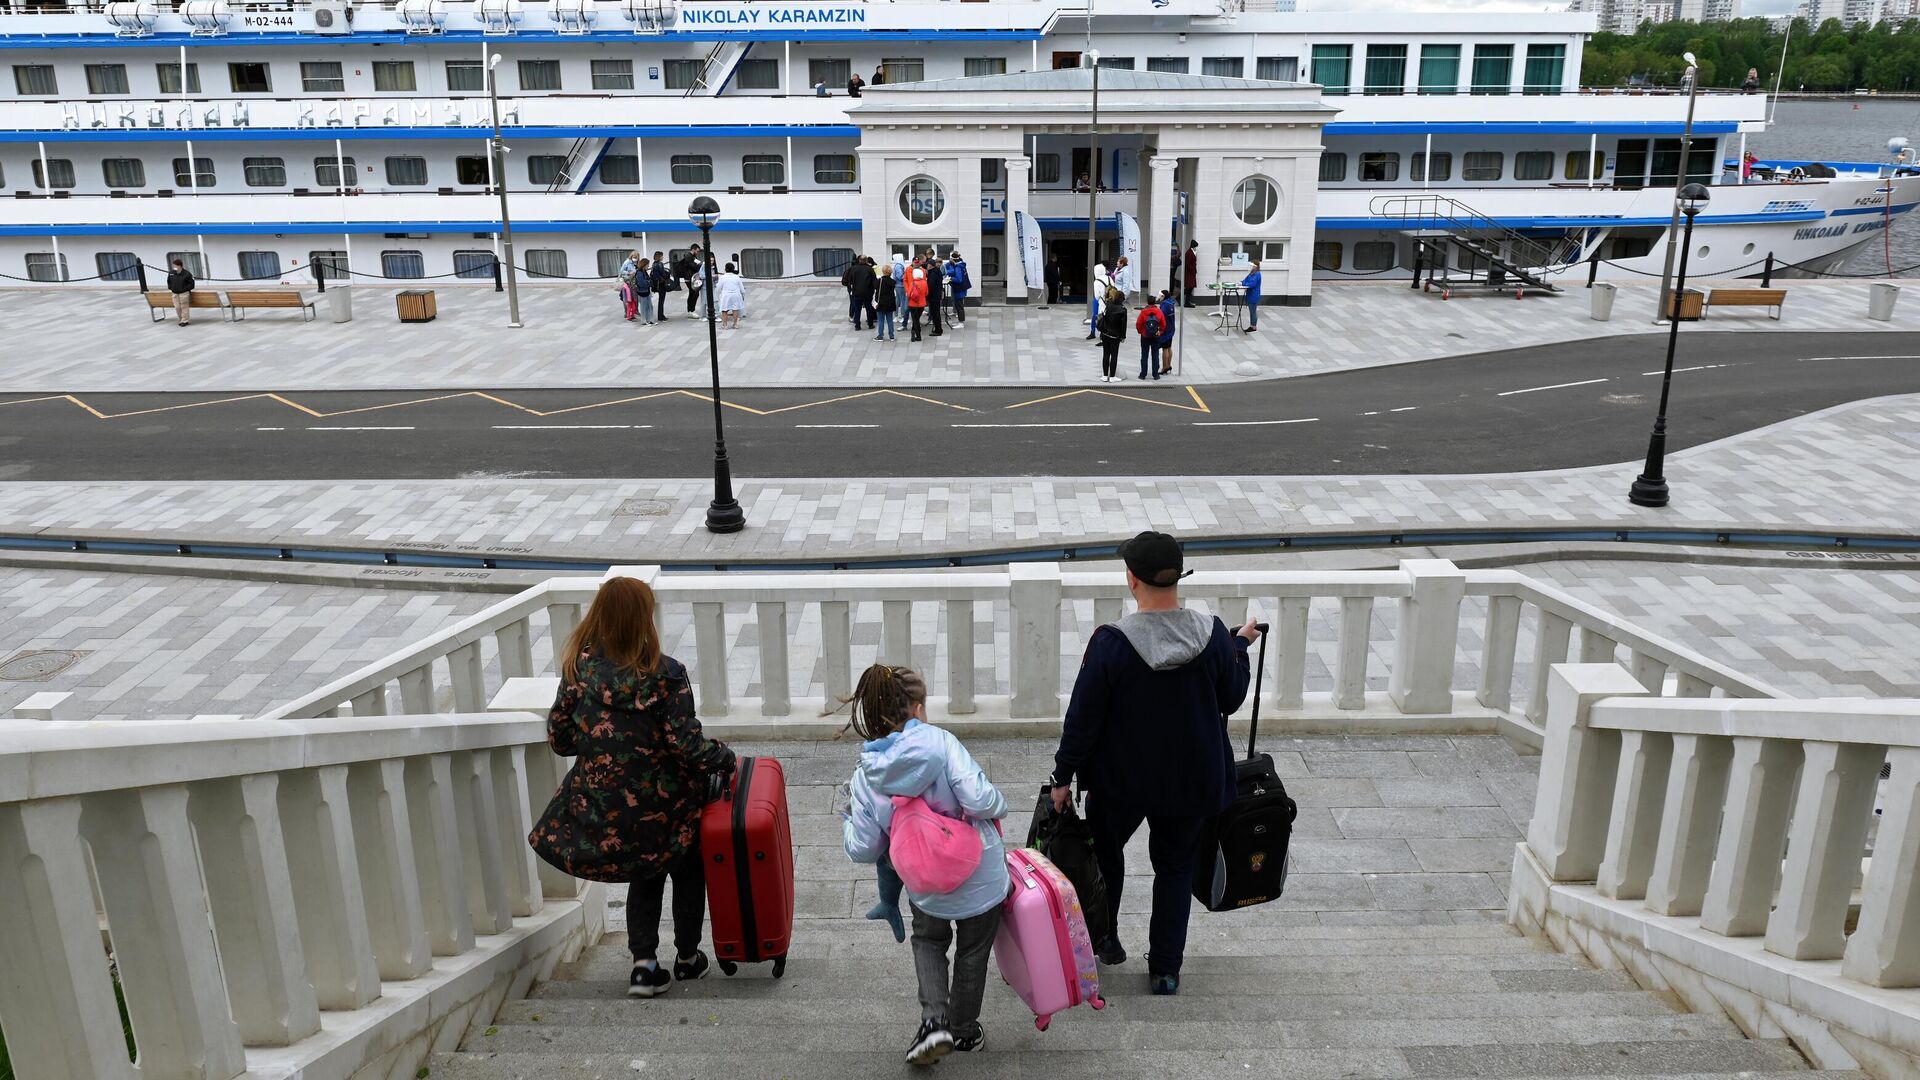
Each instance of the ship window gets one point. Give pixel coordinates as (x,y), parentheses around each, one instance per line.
(1492,69)
(1386,69)
(1442,167)
(1332,67)
(1333,168)
(1123,63)
(1483,165)
(259,265)
(250,78)
(544,169)
(52,172)
(1255,250)
(985,65)
(1379,167)
(1256,200)
(1374,255)
(831,262)
(763,169)
(1630,163)
(539,74)
(471,169)
(989,262)
(1439,69)
(46,266)
(1046,169)
(989,170)
(762,262)
(922,200)
(320,77)
(757,74)
(394,76)
(1631,247)
(328,265)
(190,259)
(403,264)
(265,171)
(334,171)
(832,71)
(170,78)
(692,169)
(1546,65)
(407,171)
(1701,162)
(620,169)
(123,172)
(466,75)
(1174,64)
(117,265)
(608,261)
(1229,67)
(473,264)
(546,262)
(833,168)
(1533,165)
(904,69)
(1327,255)
(1584,166)
(1276,68)
(106,78)
(35,80)
(1666,163)
(682,74)
(613,74)
(197,174)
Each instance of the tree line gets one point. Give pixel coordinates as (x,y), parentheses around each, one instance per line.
(1876,56)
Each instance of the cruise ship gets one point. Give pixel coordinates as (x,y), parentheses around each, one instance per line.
(277,141)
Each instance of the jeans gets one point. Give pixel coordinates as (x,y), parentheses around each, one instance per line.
(1149,357)
(1109,356)
(689,908)
(1171,844)
(855,309)
(958,1004)
(644,303)
(933,312)
(960,308)
(883,325)
(660,302)
(1253,315)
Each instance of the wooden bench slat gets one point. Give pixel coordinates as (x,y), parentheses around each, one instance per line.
(1766,298)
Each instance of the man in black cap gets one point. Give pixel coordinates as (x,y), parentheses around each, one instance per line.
(1145,736)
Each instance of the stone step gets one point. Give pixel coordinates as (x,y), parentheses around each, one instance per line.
(1634,1057)
(1252,923)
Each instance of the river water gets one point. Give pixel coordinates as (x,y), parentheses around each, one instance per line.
(1842,130)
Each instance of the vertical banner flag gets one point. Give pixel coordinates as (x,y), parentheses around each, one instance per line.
(1130,247)
(1027,234)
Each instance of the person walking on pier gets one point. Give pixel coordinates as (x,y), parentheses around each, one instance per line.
(1167,309)
(691,270)
(730,296)
(180,283)
(660,277)
(1250,290)
(1150,325)
(1190,278)
(916,285)
(1112,327)
(886,302)
(959,284)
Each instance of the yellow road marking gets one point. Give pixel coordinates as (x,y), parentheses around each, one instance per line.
(1199,404)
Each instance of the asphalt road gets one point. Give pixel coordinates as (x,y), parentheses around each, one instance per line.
(1550,407)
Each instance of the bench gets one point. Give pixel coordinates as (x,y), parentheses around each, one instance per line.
(160,303)
(1766,298)
(239,301)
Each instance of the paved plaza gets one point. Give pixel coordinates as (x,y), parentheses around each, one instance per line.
(100,340)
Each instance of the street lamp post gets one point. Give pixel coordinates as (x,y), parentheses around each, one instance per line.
(1093,186)
(1650,487)
(499,151)
(723,513)
(1686,151)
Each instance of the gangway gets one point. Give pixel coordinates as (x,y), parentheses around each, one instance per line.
(1458,246)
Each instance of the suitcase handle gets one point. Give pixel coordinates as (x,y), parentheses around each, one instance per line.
(1259,673)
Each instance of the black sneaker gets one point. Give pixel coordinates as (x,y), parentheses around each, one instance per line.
(969,1040)
(931,1043)
(1165,985)
(646,982)
(689,970)
(1110,952)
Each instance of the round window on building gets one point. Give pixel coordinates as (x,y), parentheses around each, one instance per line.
(922,201)
(1256,200)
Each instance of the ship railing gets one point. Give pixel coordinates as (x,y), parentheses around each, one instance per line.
(1443,213)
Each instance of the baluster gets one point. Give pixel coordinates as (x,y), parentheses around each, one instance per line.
(416,690)
(1033,620)
(896,632)
(469,684)
(1753,834)
(56,994)
(1634,833)
(836,649)
(776,687)
(250,893)
(329,711)
(389,872)
(1290,659)
(371,703)
(1696,792)
(1578,765)
(1685,685)
(1233,611)
(561,619)
(1885,948)
(176,995)
(1650,671)
(479,820)
(1549,648)
(1350,680)
(1596,647)
(442,865)
(1427,637)
(544,770)
(1502,642)
(326,887)
(960,671)
(519,863)
(1837,786)
(710,643)
(515,642)
(1108,610)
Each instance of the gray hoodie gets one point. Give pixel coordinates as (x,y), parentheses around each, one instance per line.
(1167,639)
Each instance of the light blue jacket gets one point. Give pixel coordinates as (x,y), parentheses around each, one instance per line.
(929,762)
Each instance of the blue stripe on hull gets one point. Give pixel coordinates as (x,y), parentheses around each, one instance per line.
(1529,127)
(422,131)
(251,228)
(397,37)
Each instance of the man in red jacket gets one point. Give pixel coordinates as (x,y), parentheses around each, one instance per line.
(1150,325)
(1192,275)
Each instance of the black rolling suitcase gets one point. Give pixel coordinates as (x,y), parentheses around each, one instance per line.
(1242,858)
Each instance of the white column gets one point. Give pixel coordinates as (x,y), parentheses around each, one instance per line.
(776,685)
(1837,787)
(710,648)
(326,887)
(1753,835)
(896,632)
(1577,768)
(1550,639)
(441,863)
(1012,259)
(1350,674)
(479,821)
(1689,822)
(389,871)
(1633,834)
(970,194)
(1034,616)
(1290,641)
(1497,652)
(1429,631)
(1885,948)
(511,803)
(836,648)
(960,653)
(1156,245)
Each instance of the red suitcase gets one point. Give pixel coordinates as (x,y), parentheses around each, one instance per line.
(747,844)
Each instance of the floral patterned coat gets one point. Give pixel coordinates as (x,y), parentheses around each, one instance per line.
(631,803)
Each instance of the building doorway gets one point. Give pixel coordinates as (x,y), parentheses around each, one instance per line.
(1065,60)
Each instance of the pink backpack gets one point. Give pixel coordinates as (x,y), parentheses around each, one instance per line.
(931,852)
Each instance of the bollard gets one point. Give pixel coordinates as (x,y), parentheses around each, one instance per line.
(497,286)
(1766,276)
(1880,298)
(318,276)
(1604,293)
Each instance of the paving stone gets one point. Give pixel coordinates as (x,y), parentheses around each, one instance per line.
(1456,856)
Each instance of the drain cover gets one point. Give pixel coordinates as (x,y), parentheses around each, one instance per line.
(37,666)
(643,508)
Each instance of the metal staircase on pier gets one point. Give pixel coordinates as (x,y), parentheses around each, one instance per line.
(1459,247)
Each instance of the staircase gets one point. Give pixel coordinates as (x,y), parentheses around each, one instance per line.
(583,157)
(1460,246)
(717,68)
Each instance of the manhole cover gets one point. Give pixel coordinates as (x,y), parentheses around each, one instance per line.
(643,508)
(37,666)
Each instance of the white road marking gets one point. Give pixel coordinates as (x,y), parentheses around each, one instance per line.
(1861,358)
(269,429)
(1375,412)
(572,427)
(1555,386)
(1254,423)
(359,429)
(1025,425)
(1696,367)
(836,425)
(1404,408)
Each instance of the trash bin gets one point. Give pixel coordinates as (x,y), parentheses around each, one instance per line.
(1603,294)
(1880,298)
(340,303)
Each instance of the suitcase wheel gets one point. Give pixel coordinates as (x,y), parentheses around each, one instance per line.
(1041,1022)
(1098,1002)
(728,967)
(779,966)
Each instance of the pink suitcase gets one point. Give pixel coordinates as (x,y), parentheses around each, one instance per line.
(1042,947)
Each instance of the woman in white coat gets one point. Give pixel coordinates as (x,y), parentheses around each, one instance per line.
(731,296)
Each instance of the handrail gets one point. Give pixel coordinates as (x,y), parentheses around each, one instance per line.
(1870,722)
(1460,219)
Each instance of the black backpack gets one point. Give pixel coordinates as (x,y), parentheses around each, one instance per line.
(1064,838)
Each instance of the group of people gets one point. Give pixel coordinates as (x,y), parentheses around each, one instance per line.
(1154,325)
(855,84)
(645,283)
(1144,739)
(928,287)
